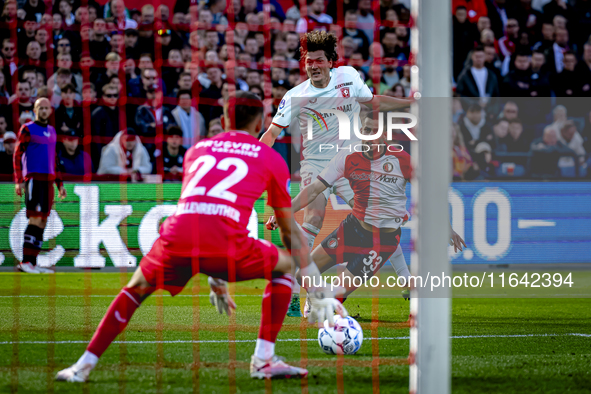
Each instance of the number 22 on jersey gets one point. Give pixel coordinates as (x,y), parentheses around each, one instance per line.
(220,190)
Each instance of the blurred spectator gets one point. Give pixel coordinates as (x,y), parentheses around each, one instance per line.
(520,81)
(6,163)
(464,35)
(68,116)
(215,128)
(208,105)
(559,117)
(484,161)
(545,153)
(462,162)
(500,135)
(359,37)
(99,45)
(150,116)
(517,141)
(138,87)
(3,130)
(105,121)
(567,83)
(112,68)
(473,127)
(125,155)
(188,119)
(316,18)
(558,49)
(510,111)
(171,73)
(174,152)
(570,137)
(23,101)
(477,81)
(365,19)
(63,78)
(130,41)
(26,34)
(509,42)
(72,158)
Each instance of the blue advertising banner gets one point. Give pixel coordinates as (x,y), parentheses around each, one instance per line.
(519,223)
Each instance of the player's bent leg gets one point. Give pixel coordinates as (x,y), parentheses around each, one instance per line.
(33,242)
(264,363)
(323,261)
(114,322)
(399,263)
(314,218)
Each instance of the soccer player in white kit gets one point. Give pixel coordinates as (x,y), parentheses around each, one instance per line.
(338,88)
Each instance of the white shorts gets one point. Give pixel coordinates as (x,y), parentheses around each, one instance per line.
(309,171)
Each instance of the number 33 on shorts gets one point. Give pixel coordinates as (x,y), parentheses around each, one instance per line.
(372,262)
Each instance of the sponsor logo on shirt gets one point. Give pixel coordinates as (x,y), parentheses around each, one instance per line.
(282,104)
(343,84)
(372,176)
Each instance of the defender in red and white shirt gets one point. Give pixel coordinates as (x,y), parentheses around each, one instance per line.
(223,177)
(378,174)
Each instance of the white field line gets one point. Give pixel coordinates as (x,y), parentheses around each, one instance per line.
(292,339)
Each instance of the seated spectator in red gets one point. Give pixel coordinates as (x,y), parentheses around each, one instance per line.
(68,116)
(509,42)
(125,155)
(71,156)
(545,153)
(188,119)
(477,80)
(6,163)
(174,152)
(33,57)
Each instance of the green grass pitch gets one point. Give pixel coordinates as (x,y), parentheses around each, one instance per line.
(180,344)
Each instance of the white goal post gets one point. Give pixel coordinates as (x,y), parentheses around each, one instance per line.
(430,346)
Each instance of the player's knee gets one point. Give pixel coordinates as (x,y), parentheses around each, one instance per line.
(284,263)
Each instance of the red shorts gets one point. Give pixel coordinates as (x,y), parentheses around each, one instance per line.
(172,272)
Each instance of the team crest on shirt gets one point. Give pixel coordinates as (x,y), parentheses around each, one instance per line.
(388,167)
(333,243)
(345,92)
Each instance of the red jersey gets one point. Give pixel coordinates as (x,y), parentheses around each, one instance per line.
(222,178)
(379,185)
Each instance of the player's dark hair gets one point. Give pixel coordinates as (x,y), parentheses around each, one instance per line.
(319,41)
(243,109)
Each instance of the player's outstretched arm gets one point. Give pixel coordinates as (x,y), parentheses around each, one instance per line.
(269,137)
(307,195)
(387,103)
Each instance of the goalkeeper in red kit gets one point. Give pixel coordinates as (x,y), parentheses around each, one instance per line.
(222,178)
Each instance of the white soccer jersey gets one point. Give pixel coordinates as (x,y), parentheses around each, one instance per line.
(379,185)
(344,92)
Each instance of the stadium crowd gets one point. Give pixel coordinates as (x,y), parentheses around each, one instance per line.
(133,88)
(522,78)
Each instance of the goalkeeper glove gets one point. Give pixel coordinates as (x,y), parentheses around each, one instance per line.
(219,296)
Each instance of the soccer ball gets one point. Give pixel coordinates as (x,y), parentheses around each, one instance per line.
(345,337)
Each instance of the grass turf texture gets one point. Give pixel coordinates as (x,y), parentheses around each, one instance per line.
(554,363)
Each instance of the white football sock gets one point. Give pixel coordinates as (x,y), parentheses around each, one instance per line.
(310,232)
(87,358)
(264,349)
(295,286)
(399,263)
